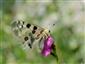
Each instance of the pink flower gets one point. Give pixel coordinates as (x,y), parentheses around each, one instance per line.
(47,46)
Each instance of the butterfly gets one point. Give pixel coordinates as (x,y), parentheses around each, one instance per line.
(29,33)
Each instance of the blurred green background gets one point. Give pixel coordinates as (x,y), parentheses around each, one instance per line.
(68,32)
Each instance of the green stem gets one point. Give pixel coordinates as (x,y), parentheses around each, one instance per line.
(56,53)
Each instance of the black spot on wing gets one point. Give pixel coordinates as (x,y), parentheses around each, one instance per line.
(30,45)
(26,38)
(23,22)
(18,22)
(28,25)
(33,31)
(49,31)
(35,27)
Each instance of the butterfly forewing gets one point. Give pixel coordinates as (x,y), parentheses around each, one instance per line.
(27,32)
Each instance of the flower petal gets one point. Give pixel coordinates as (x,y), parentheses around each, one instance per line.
(47,46)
